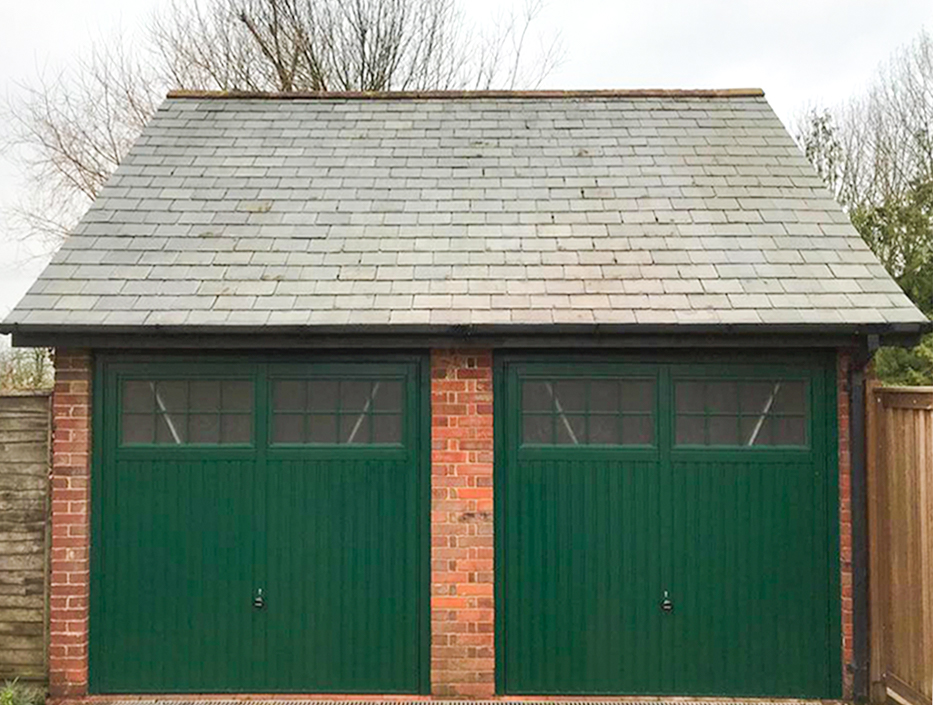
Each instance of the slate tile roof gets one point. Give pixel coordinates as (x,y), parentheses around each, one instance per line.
(550,208)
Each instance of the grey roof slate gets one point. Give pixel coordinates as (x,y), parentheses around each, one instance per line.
(464,209)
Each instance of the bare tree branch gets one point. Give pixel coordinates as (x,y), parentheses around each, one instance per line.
(879,143)
(72,129)
(25,369)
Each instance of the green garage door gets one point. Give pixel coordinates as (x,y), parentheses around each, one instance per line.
(259,526)
(667,528)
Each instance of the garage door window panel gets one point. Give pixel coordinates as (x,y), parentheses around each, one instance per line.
(741,413)
(588,412)
(186,412)
(337,412)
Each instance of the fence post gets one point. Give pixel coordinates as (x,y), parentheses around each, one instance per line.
(925,470)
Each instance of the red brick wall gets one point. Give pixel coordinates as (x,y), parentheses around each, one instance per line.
(462,609)
(68,588)
(462,603)
(843,362)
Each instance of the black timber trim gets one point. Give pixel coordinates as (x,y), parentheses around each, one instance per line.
(497,336)
(859,501)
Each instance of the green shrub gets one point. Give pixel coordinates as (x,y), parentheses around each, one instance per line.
(911,367)
(15,693)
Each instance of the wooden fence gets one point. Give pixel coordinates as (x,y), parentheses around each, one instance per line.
(899,458)
(24,479)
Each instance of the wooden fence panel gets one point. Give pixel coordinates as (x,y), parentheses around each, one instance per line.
(900,494)
(24,472)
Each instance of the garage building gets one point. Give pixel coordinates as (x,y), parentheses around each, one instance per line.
(460,394)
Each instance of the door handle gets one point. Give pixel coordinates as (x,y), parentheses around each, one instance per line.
(259,601)
(667,605)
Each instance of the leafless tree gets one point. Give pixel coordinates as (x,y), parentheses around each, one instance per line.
(875,151)
(874,146)
(25,369)
(73,129)
(346,45)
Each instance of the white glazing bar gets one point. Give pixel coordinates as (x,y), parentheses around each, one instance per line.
(764,413)
(359,420)
(165,414)
(560,410)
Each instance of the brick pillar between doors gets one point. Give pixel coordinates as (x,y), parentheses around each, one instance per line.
(462,608)
(69,569)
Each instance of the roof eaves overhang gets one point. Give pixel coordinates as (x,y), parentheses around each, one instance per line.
(488,335)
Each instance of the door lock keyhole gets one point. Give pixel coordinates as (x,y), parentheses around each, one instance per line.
(259,601)
(667,605)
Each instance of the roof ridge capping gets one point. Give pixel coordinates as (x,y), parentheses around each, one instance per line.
(485,94)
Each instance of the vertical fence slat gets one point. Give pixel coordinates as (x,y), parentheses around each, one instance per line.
(899,428)
(24,470)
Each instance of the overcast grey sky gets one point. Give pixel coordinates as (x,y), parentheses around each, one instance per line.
(798,51)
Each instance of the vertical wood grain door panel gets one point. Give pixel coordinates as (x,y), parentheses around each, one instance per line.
(729,513)
(754,547)
(579,569)
(342,545)
(197,509)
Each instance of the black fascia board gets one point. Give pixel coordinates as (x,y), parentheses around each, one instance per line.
(494,335)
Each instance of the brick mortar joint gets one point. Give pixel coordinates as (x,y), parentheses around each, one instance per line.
(70,494)
(461,670)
